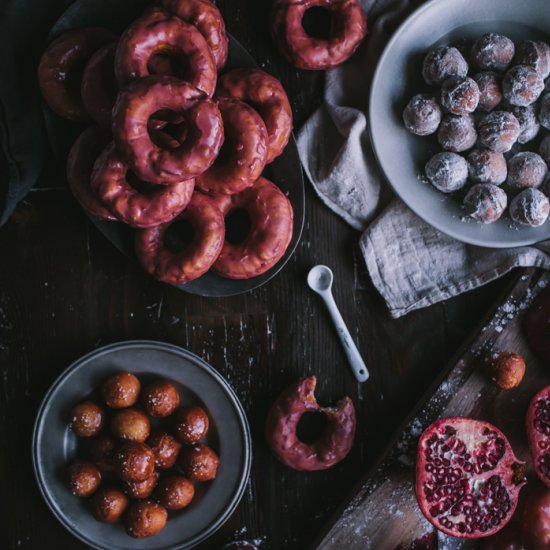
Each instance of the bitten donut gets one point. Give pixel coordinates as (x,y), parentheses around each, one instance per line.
(61,66)
(348,29)
(243,153)
(153,205)
(160,41)
(282,423)
(99,87)
(135,106)
(267,95)
(271,222)
(208,20)
(179,267)
(80,163)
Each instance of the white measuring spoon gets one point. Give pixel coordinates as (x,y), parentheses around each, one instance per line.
(320,280)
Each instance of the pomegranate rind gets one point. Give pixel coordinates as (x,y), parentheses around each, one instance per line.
(492,479)
(536,438)
(282,422)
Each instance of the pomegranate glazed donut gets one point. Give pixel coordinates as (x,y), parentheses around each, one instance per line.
(267,95)
(80,162)
(282,422)
(179,267)
(160,42)
(154,205)
(243,153)
(99,87)
(208,20)
(202,119)
(61,67)
(348,29)
(271,221)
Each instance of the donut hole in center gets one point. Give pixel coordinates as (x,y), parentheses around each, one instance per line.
(311,426)
(317,22)
(170,62)
(179,235)
(142,187)
(167,129)
(237,225)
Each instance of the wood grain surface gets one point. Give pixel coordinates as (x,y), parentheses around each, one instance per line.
(64,290)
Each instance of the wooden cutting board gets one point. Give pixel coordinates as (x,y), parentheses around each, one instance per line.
(382,513)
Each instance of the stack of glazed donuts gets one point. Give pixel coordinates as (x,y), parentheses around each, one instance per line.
(172,143)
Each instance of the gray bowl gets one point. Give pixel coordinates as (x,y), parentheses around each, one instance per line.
(401,155)
(285,171)
(54,444)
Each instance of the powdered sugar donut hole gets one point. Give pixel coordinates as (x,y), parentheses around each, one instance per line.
(486,166)
(422,115)
(460,95)
(530,207)
(544,150)
(490,93)
(442,63)
(492,52)
(485,202)
(447,172)
(457,133)
(544,111)
(526,169)
(522,85)
(528,123)
(534,54)
(499,131)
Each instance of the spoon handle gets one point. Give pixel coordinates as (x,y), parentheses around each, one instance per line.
(354,357)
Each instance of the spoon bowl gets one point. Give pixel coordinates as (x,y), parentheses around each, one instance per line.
(320,278)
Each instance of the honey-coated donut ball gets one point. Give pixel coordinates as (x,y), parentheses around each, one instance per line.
(131,425)
(166,449)
(457,133)
(83,477)
(141,489)
(526,169)
(101,450)
(490,92)
(422,115)
(447,172)
(485,202)
(486,166)
(528,123)
(199,463)
(121,390)
(145,519)
(87,419)
(442,63)
(134,462)
(175,492)
(530,207)
(499,131)
(536,55)
(108,504)
(160,399)
(460,95)
(191,424)
(493,52)
(522,85)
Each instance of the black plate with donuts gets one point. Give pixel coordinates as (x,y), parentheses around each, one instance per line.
(55,444)
(285,171)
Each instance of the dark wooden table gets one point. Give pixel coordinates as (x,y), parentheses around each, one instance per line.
(65,290)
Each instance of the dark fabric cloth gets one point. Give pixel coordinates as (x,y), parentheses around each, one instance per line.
(24,26)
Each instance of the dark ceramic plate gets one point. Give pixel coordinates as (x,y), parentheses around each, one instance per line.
(402,155)
(285,171)
(54,444)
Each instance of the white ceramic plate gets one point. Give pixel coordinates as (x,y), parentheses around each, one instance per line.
(402,155)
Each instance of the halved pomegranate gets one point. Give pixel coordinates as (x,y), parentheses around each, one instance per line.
(467,477)
(538,433)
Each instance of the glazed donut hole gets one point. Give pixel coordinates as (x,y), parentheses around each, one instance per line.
(131,425)
(108,504)
(191,424)
(87,419)
(134,462)
(166,449)
(199,463)
(83,477)
(101,450)
(145,519)
(175,492)
(160,399)
(121,390)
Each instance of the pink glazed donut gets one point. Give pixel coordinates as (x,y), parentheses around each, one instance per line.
(282,423)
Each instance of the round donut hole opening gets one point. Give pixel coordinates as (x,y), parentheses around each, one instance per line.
(167,129)
(317,22)
(237,226)
(170,62)
(311,426)
(179,236)
(142,187)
